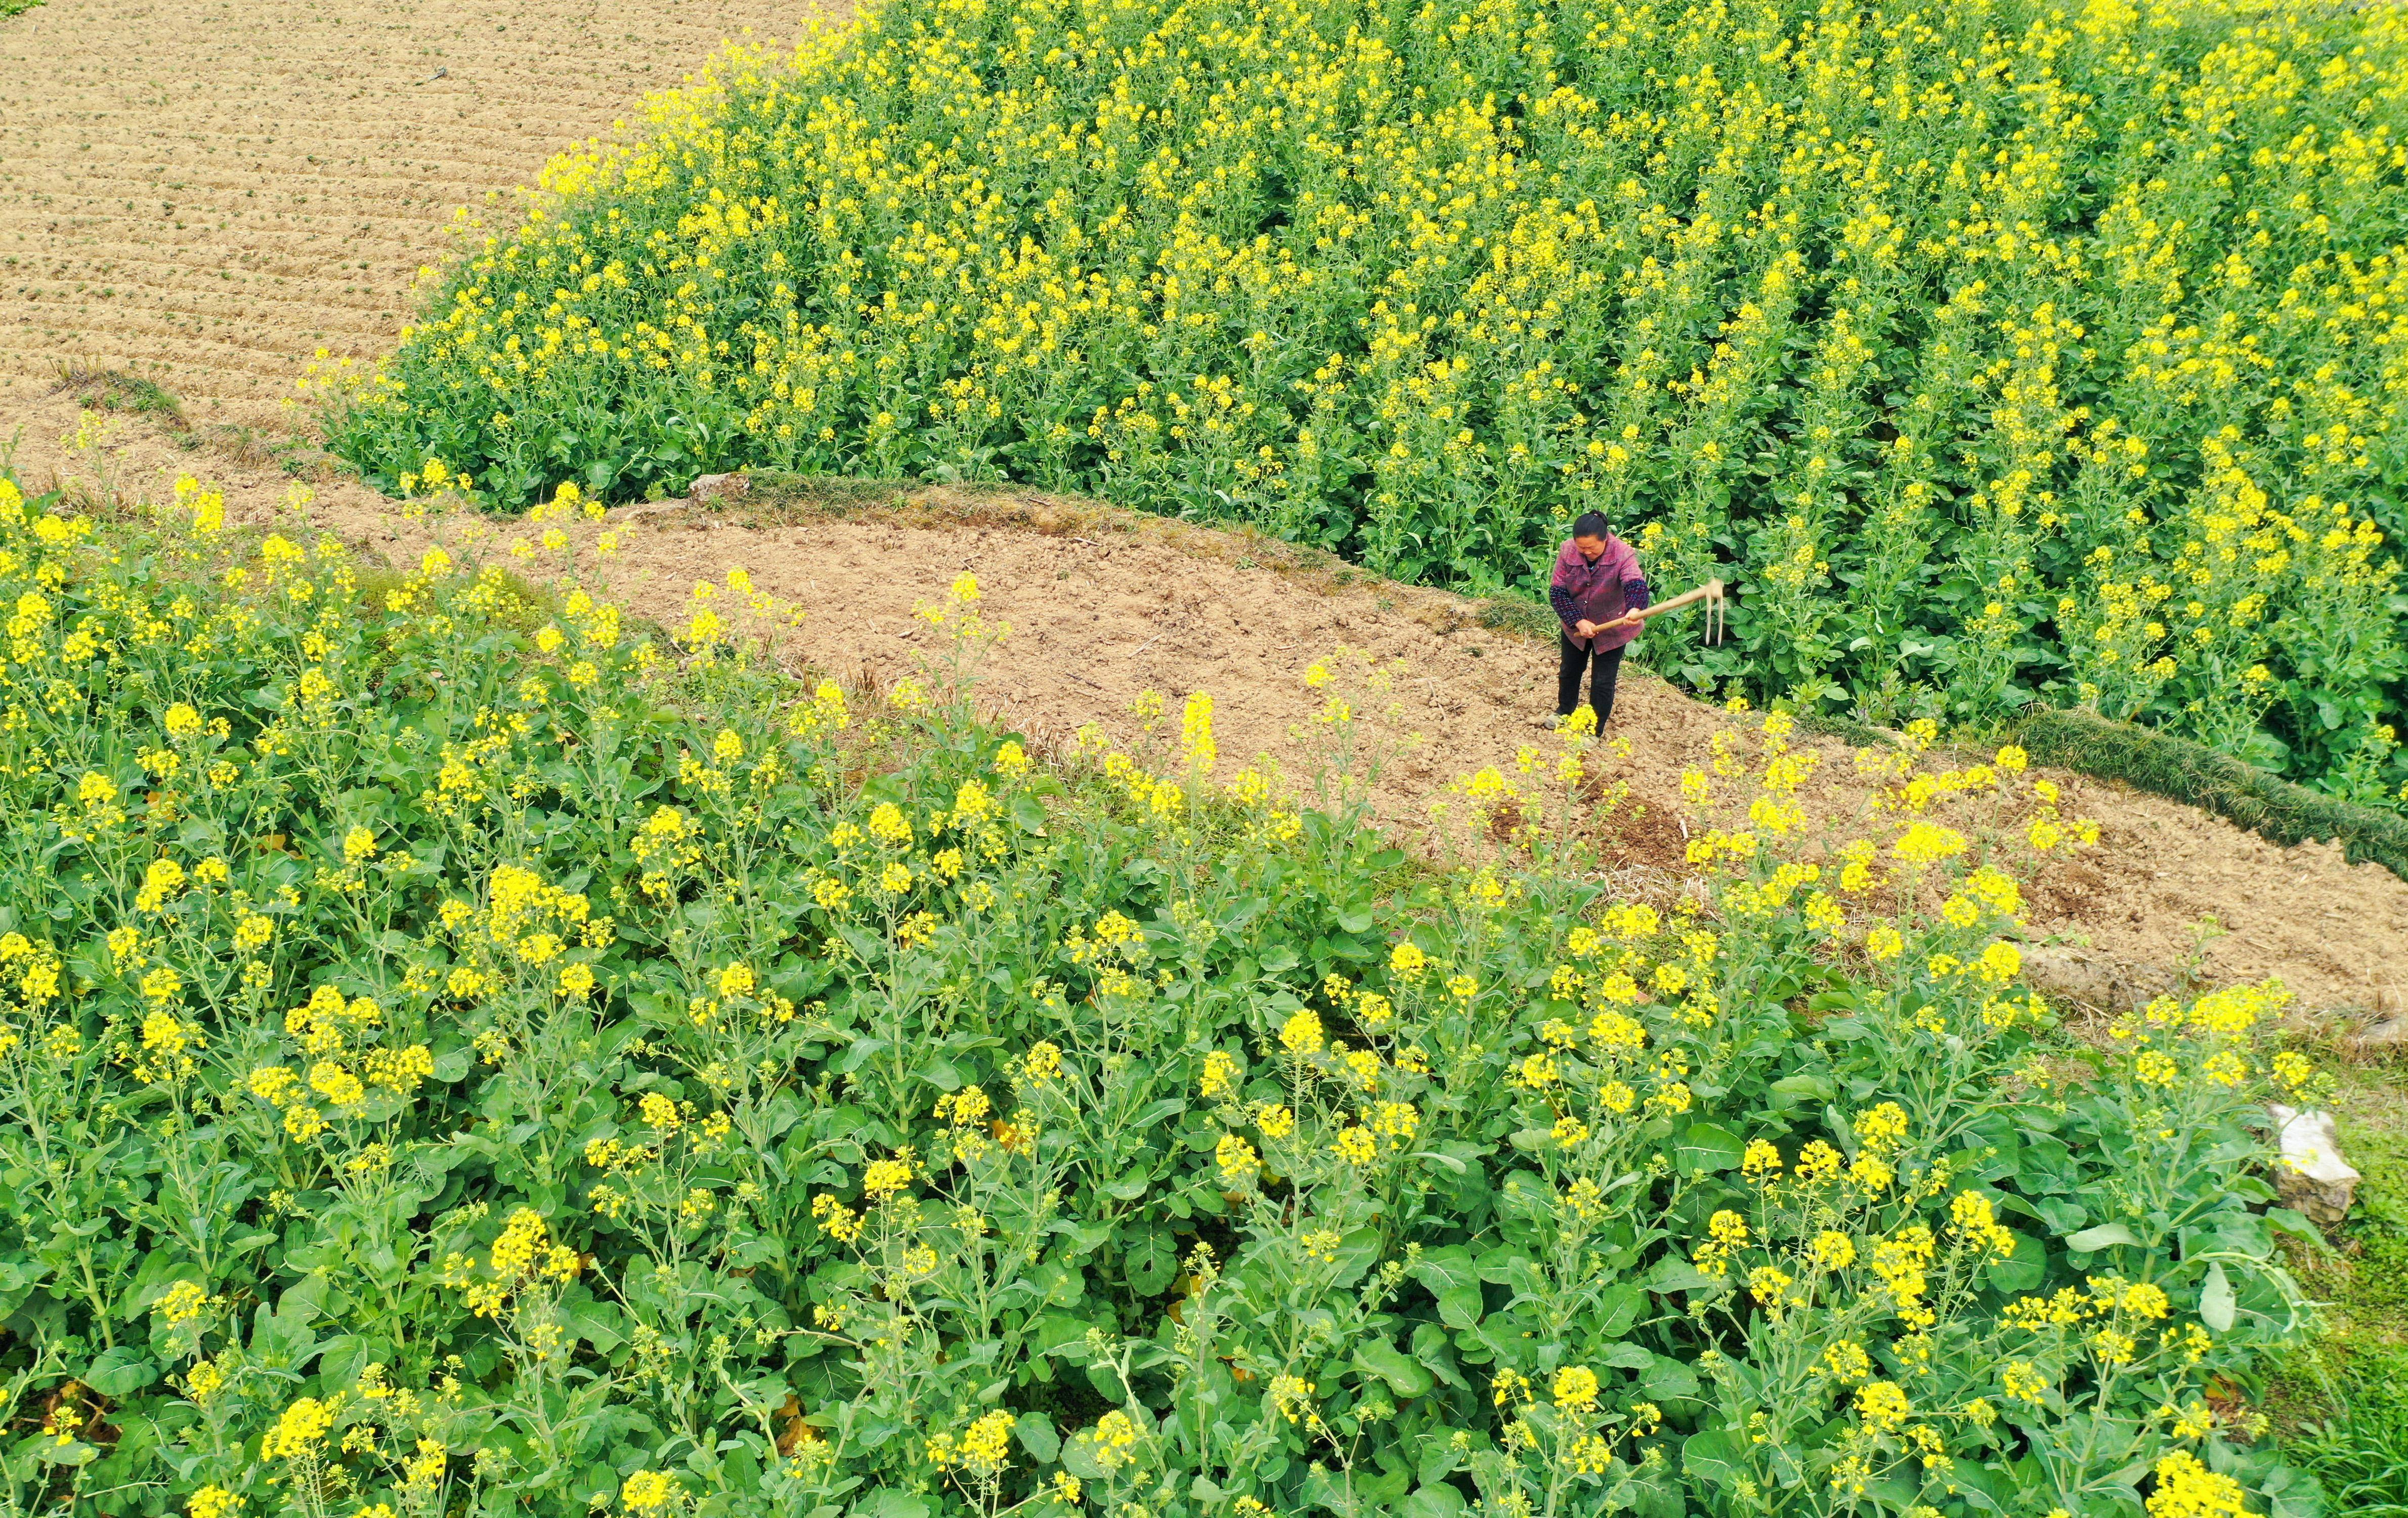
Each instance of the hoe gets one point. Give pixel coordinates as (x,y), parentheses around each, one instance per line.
(1709,593)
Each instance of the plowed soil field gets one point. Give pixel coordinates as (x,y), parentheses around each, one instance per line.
(207,193)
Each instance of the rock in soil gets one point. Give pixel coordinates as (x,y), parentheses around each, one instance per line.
(2313,1178)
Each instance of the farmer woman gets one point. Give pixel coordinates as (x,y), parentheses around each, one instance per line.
(1597,584)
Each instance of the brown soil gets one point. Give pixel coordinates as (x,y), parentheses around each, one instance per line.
(1104,605)
(208,192)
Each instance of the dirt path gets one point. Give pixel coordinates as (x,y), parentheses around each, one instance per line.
(207,191)
(1103,604)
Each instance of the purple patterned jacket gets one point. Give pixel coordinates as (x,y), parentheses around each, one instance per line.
(1597,593)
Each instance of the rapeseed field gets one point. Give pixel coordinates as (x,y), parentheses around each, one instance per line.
(1999,352)
(463,1052)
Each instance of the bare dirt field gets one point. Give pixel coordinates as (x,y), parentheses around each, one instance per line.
(207,193)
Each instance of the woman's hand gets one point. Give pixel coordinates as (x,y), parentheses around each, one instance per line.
(1584,628)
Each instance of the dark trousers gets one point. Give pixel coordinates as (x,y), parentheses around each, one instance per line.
(1606,663)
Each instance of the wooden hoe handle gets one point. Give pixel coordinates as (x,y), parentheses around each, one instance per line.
(1710,593)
